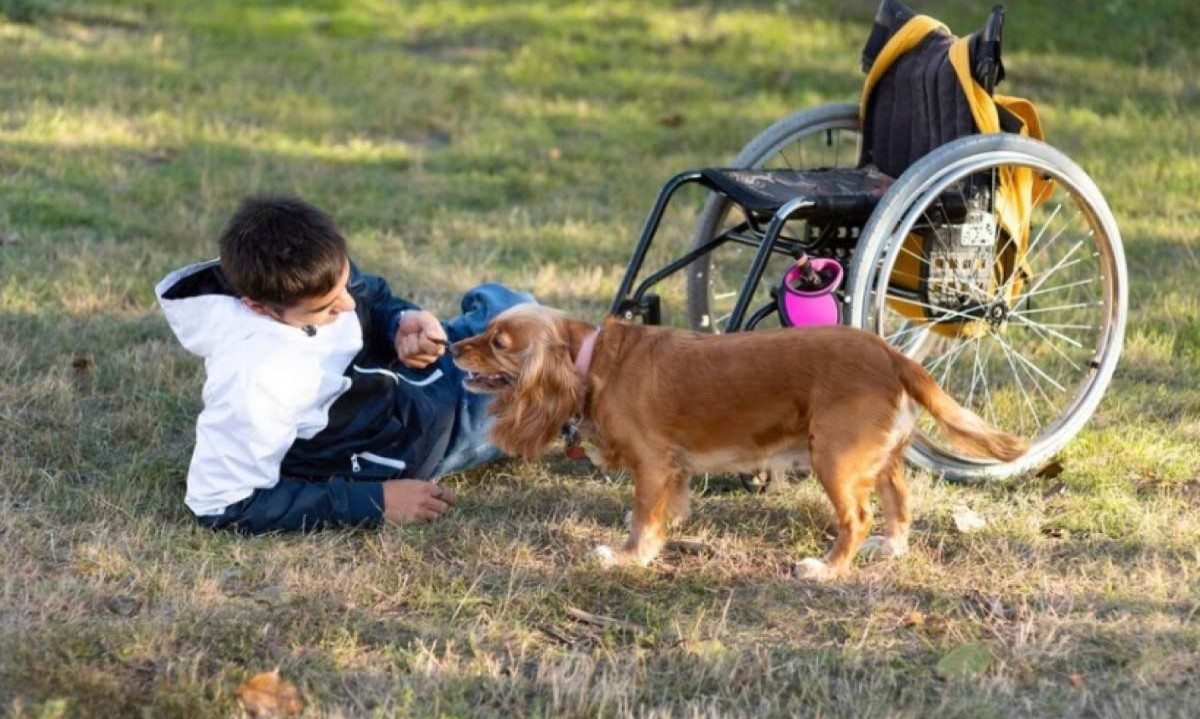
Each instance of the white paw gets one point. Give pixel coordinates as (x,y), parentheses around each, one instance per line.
(606,555)
(814,569)
(883,548)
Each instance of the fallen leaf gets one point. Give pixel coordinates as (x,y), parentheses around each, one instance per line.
(967,521)
(1051,470)
(267,695)
(965,662)
(914,619)
(554,153)
(1077,681)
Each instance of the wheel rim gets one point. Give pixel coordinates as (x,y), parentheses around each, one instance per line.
(716,279)
(1046,352)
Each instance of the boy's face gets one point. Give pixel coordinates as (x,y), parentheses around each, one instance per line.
(313,311)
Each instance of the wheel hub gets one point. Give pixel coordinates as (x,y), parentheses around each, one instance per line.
(997,314)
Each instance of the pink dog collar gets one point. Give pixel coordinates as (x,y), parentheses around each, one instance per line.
(584,359)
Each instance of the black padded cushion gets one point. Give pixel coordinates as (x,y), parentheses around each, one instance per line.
(835,191)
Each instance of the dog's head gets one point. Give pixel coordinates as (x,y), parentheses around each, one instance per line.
(525,357)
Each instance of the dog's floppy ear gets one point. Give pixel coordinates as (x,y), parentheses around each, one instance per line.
(546,394)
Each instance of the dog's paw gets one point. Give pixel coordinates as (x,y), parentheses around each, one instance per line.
(883,548)
(605,555)
(813,569)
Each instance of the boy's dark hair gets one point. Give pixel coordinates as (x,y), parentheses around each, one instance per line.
(281,250)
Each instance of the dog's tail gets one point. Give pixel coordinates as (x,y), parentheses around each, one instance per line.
(965,428)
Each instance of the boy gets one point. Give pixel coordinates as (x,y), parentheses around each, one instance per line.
(321,387)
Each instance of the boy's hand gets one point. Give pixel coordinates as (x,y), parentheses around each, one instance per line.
(414,500)
(420,339)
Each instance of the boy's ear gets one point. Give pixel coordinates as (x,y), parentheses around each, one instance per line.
(258,307)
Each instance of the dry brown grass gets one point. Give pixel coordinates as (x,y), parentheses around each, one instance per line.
(129,129)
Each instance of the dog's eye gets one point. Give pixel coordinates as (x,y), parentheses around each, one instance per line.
(499,342)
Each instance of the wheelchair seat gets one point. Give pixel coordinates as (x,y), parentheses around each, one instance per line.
(835,192)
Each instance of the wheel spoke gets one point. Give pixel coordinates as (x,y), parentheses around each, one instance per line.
(1044,276)
(1061,336)
(1055,288)
(950,314)
(989,406)
(1041,310)
(1035,368)
(1036,382)
(954,355)
(975,372)
(1049,341)
(950,355)
(1017,380)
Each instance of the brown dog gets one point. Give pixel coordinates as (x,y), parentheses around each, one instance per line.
(668,403)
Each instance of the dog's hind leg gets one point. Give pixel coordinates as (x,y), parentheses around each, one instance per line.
(893,496)
(653,481)
(846,469)
(679,506)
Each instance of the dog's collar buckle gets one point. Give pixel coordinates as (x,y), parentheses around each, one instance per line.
(570,432)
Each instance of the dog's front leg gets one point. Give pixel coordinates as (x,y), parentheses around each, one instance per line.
(652,482)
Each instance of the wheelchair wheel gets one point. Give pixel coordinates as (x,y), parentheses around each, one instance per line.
(823,136)
(1045,333)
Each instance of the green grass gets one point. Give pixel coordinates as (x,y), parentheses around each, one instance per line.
(524,142)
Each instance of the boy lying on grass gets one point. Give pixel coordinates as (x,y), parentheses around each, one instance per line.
(321,387)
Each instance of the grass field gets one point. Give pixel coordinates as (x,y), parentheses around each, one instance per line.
(523,142)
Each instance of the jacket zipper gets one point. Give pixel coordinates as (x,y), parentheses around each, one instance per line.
(377,459)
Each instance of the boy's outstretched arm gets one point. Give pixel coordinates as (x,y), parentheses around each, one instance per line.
(383,308)
(296,505)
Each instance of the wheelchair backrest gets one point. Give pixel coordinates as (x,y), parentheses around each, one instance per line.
(914,99)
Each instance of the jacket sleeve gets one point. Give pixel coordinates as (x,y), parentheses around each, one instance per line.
(298,506)
(380,311)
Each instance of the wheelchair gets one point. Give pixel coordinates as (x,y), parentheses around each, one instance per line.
(956,233)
